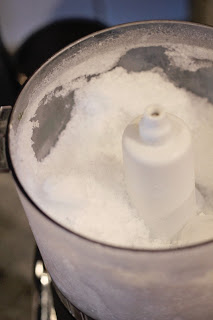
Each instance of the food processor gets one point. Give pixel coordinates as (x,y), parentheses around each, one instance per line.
(92,279)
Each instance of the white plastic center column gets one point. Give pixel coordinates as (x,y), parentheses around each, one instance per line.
(159,170)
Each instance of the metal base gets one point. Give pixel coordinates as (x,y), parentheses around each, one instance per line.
(49,303)
(72,310)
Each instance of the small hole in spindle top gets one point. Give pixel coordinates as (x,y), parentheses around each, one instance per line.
(155,113)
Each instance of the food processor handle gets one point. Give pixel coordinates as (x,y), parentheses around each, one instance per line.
(4,120)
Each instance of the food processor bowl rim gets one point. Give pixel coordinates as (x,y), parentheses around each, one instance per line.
(44,214)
